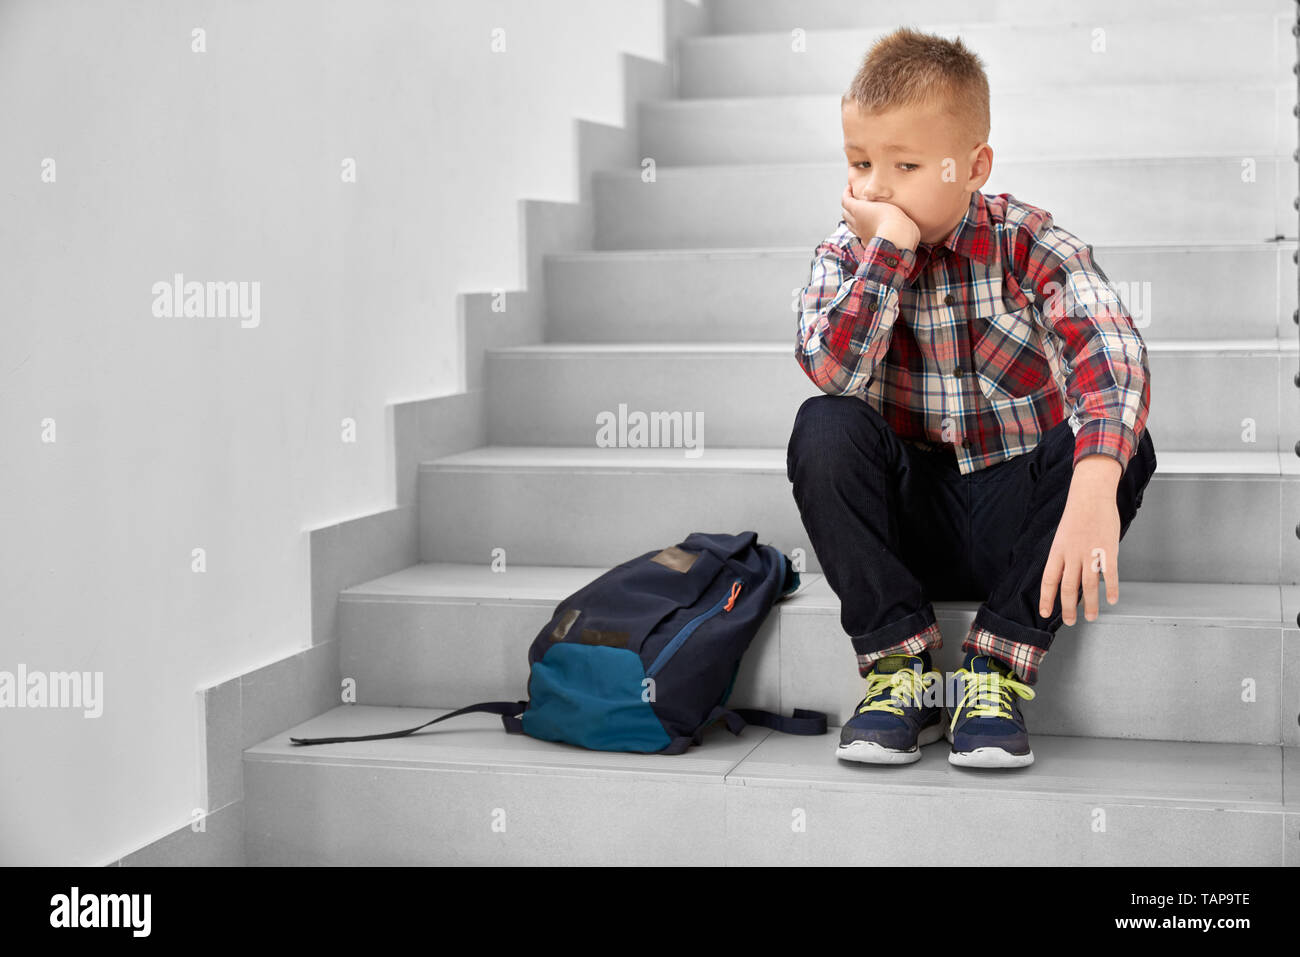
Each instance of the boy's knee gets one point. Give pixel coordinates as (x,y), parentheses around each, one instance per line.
(825,421)
(819,418)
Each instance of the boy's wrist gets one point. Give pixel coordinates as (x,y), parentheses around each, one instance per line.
(901,237)
(1097,470)
(884,262)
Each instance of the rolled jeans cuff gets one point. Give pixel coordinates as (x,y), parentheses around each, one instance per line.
(1022,649)
(928,637)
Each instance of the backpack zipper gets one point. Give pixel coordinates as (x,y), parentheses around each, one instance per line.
(724,604)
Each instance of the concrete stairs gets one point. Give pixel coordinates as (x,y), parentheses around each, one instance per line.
(1165,732)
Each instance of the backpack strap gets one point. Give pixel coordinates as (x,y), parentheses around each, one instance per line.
(803,722)
(509,711)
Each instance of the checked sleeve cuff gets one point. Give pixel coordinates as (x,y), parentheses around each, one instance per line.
(884,263)
(1107,436)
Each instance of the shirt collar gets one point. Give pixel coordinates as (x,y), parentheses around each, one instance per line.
(973,237)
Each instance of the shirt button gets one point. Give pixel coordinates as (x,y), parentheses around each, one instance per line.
(965,443)
(892,261)
(871,305)
(957,372)
(949,299)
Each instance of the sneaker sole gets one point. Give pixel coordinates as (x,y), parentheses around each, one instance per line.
(869,752)
(987,757)
(990,758)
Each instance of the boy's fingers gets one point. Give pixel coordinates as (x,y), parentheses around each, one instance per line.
(1091,588)
(1051,580)
(1069,592)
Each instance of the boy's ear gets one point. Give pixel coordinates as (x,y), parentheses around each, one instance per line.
(981,164)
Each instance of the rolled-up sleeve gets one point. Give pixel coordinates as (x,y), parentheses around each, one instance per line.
(1107,374)
(847,311)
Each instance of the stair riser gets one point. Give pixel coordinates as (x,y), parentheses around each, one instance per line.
(1190,528)
(1171,122)
(1240,49)
(1131,679)
(1145,201)
(1122,680)
(738,296)
(316,815)
(776,16)
(1207,402)
(935,830)
(308,815)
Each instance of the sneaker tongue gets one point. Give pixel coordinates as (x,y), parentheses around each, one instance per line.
(984,664)
(892,663)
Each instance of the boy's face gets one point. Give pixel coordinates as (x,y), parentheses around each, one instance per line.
(898,157)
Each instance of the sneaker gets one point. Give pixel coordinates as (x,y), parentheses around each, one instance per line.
(987,729)
(896,717)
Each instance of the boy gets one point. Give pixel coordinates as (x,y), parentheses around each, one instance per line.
(944,326)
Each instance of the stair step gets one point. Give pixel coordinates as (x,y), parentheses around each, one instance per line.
(1208,517)
(1241,47)
(567,394)
(564,459)
(443,635)
(785,204)
(1132,119)
(465,792)
(1173,291)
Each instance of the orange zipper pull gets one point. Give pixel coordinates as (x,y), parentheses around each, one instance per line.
(735,590)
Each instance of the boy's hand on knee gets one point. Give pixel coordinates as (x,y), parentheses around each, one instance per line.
(1085,548)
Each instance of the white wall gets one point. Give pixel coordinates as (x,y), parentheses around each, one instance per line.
(182,433)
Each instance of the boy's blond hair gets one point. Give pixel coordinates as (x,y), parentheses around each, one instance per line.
(911,68)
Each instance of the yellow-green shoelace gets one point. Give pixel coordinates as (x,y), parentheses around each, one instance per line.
(989,695)
(903,685)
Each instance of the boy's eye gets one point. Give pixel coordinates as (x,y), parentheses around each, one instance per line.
(865,163)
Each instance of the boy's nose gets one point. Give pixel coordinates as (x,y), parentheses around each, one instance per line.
(868,191)
(872,193)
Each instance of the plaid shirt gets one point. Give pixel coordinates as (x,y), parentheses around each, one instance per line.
(1001,323)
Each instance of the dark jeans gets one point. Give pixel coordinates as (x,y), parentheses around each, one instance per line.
(896,526)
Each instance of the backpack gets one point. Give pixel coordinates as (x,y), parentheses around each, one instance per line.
(644,657)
